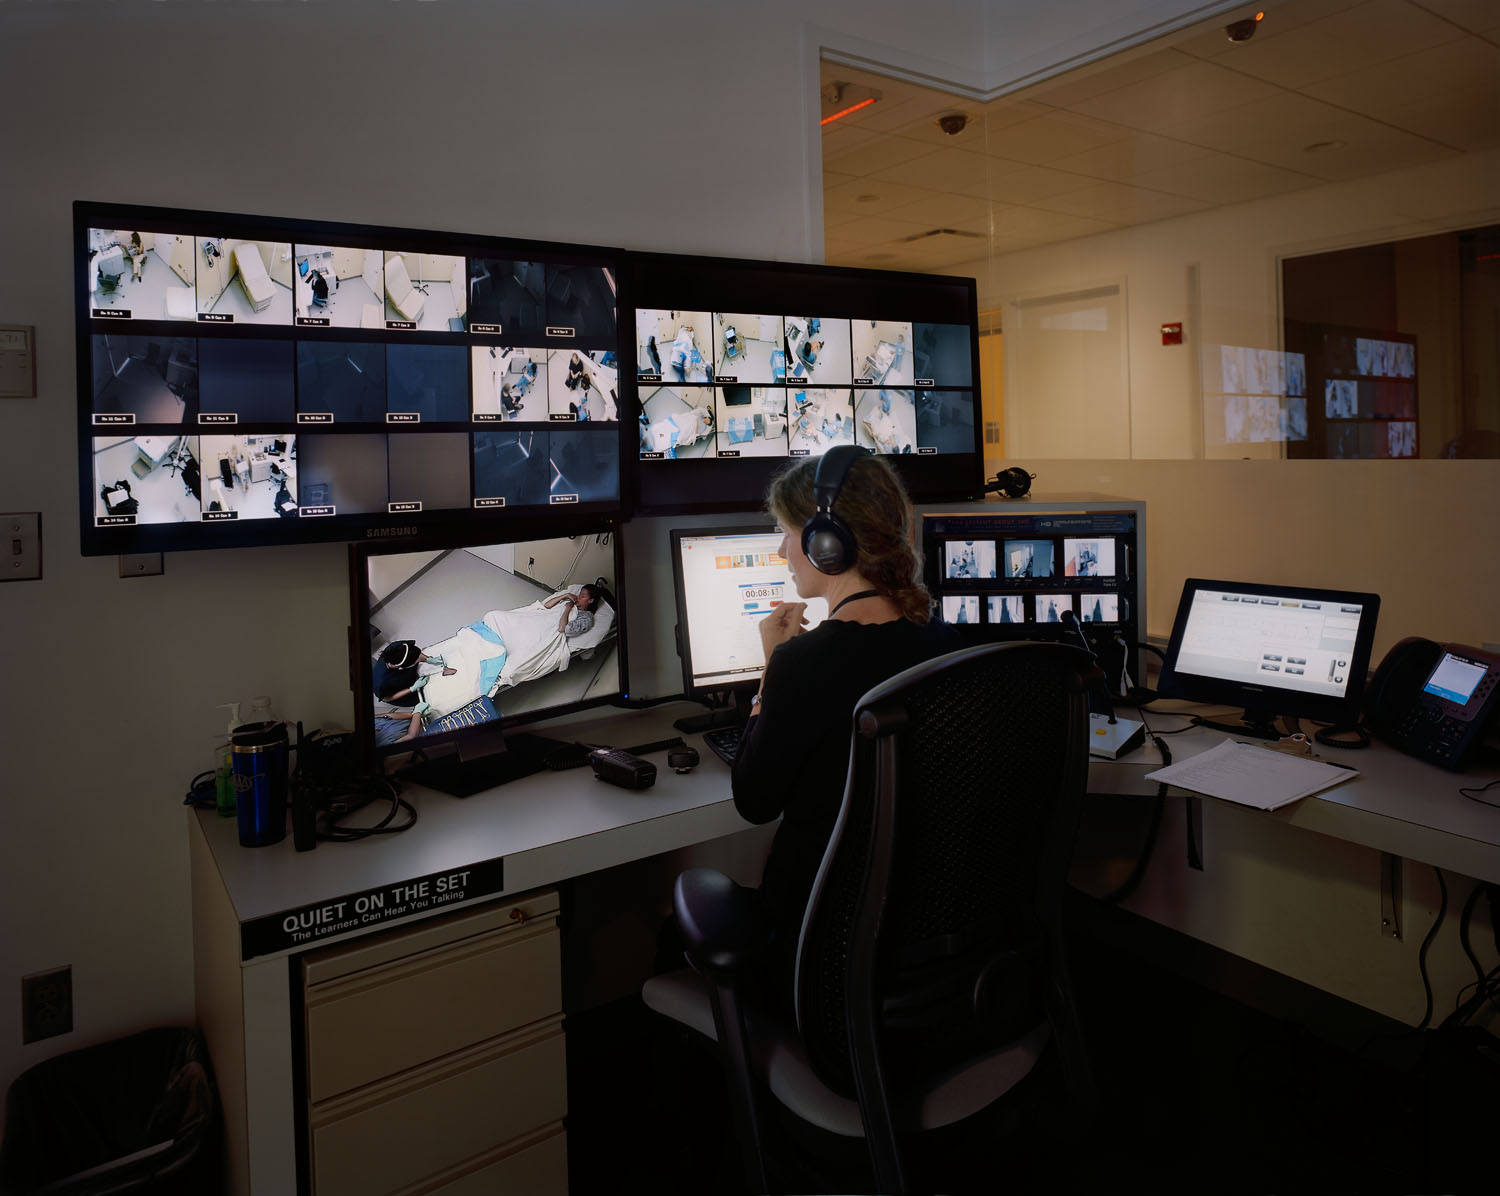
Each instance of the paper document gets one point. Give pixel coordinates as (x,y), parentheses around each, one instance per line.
(1252,776)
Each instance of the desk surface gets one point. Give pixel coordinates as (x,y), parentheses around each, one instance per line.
(554,826)
(546,828)
(1396,804)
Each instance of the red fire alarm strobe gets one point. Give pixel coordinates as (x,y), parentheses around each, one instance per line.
(1171,334)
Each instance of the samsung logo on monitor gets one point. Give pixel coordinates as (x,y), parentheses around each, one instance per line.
(376,533)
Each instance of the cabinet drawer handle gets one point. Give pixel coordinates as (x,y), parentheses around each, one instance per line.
(518,916)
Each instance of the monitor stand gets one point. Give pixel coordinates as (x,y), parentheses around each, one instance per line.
(1255,724)
(724,716)
(461,775)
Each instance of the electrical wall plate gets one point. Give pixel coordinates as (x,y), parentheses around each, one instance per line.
(140,564)
(21,558)
(17,361)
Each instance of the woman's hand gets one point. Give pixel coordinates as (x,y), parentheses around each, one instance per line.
(781,625)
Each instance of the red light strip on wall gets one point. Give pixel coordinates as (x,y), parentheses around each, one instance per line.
(846,111)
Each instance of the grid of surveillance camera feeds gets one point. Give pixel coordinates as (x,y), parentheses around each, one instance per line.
(1018,574)
(239,381)
(721,384)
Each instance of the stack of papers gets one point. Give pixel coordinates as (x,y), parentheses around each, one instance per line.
(1252,776)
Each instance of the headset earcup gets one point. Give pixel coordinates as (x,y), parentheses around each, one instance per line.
(826,545)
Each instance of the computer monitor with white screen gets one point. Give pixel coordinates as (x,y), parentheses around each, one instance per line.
(1276,651)
(728,579)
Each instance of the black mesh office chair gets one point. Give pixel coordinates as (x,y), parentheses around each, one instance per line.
(931,968)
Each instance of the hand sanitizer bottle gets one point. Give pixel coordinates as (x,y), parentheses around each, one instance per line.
(223,773)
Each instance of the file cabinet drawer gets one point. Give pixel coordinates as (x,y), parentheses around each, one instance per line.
(393,1136)
(375,1011)
(539,1168)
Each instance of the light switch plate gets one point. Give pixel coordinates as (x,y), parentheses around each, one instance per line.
(22,544)
(17,361)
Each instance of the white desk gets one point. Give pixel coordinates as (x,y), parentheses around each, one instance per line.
(555,826)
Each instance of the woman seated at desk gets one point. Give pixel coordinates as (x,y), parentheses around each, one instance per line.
(793,759)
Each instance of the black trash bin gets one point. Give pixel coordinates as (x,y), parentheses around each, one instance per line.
(138,1114)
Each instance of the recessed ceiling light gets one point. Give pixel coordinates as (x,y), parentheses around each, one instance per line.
(1322,147)
(866,198)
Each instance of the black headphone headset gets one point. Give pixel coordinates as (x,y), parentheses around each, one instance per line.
(826,542)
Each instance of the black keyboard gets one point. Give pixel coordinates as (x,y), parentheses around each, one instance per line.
(724,742)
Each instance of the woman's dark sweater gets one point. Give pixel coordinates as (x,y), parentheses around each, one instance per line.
(793,760)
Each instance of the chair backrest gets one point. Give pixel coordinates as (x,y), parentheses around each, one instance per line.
(945,871)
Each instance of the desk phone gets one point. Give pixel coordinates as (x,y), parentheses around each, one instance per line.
(1435,701)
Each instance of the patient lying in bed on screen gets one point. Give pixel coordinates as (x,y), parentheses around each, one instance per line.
(501,650)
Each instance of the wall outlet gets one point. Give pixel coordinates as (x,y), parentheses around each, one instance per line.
(46,1004)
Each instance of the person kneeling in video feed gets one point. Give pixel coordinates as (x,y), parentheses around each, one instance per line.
(396,679)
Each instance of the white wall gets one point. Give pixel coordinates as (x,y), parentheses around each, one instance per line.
(659,124)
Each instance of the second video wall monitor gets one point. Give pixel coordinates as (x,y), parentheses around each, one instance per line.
(740,366)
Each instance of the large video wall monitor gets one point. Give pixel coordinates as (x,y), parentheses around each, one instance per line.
(1003,573)
(248,380)
(454,645)
(739,366)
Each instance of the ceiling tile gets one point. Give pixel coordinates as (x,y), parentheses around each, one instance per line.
(838,142)
(1381,30)
(1210,41)
(1123,161)
(1030,223)
(1116,203)
(877,155)
(1477,16)
(1044,139)
(1167,99)
(942,170)
(1067,90)
(1450,93)
(1297,57)
(1032,184)
(1012,110)
(876,230)
(1225,179)
(849,199)
(888,118)
(938,209)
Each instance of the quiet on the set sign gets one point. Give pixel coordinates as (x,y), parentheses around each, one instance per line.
(375,906)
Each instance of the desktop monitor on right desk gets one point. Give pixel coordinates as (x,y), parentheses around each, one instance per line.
(1276,651)
(727,579)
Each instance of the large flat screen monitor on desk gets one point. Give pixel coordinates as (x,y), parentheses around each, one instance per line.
(456,645)
(1276,651)
(727,579)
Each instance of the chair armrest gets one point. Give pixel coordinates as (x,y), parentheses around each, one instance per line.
(723,924)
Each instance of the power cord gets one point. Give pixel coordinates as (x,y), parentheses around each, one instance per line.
(1472,793)
(1437,925)
(342,798)
(1143,861)
(202,792)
